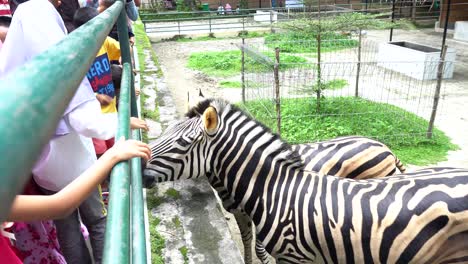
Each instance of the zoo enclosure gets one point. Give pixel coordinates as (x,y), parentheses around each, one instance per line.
(34,97)
(288,79)
(282,89)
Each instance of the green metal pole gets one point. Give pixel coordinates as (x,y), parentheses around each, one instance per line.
(138,219)
(122,27)
(116,246)
(34,97)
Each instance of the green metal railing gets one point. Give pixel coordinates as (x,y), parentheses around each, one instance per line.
(32,100)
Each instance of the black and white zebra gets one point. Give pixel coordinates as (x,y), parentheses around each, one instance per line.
(301,217)
(353,157)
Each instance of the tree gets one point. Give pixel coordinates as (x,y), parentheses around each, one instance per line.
(351,21)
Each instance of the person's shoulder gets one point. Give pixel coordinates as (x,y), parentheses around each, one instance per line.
(110,40)
(35,7)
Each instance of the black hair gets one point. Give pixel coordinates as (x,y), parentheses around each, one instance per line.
(116,71)
(84,15)
(5,21)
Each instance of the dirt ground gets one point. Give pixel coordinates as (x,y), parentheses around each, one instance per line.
(185,85)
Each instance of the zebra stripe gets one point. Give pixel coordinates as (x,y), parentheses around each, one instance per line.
(302,217)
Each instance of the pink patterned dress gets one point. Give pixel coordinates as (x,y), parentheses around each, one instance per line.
(36,242)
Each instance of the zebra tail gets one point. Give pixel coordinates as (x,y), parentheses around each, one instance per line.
(400,165)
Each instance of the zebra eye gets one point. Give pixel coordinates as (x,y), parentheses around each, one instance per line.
(182,142)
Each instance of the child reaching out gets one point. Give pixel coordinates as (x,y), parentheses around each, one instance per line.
(62,203)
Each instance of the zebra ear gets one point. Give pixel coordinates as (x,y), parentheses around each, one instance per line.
(210,120)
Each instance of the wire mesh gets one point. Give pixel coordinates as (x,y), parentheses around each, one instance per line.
(375,87)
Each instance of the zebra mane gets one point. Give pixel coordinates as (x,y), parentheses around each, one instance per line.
(199,108)
(293,157)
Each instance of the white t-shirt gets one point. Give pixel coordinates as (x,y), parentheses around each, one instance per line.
(37,26)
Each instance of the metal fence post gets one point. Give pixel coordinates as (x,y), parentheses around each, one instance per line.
(393,19)
(243,69)
(358,70)
(440,76)
(243,24)
(271,21)
(117,248)
(117,242)
(178,26)
(209,20)
(277,91)
(137,214)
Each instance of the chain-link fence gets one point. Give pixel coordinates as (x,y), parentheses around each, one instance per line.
(353,82)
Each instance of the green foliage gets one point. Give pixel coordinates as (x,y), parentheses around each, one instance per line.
(183,250)
(343,22)
(302,123)
(228,63)
(237,84)
(171,192)
(244,34)
(182,6)
(157,241)
(300,42)
(143,44)
(329,85)
(176,222)
(230,84)
(152,200)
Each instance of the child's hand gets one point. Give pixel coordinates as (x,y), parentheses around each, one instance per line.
(127,149)
(104,99)
(136,123)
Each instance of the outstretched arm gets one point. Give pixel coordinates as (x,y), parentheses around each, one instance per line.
(61,204)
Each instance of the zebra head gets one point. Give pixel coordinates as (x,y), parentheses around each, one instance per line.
(181,152)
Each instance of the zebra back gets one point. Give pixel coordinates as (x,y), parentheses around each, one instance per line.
(353,157)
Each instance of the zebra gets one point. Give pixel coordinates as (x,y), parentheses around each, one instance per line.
(352,156)
(303,217)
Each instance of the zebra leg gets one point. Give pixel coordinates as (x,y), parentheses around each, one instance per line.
(262,255)
(245,227)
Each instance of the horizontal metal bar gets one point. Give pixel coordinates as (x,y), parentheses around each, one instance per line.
(35,96)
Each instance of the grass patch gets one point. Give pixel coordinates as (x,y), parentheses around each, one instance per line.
(228,63)
(143,43)
(157,241)
(183,250)
(152,200)
(301,123)
(230,84)
(238,84)
(171,192)
(297,42)
(176,222)
(327,85)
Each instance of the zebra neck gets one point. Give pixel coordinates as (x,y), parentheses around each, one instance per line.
(255,169)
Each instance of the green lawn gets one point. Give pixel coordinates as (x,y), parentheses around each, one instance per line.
(228,63)
(402,131)
(294,42)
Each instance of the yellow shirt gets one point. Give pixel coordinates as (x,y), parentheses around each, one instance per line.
(100,76)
